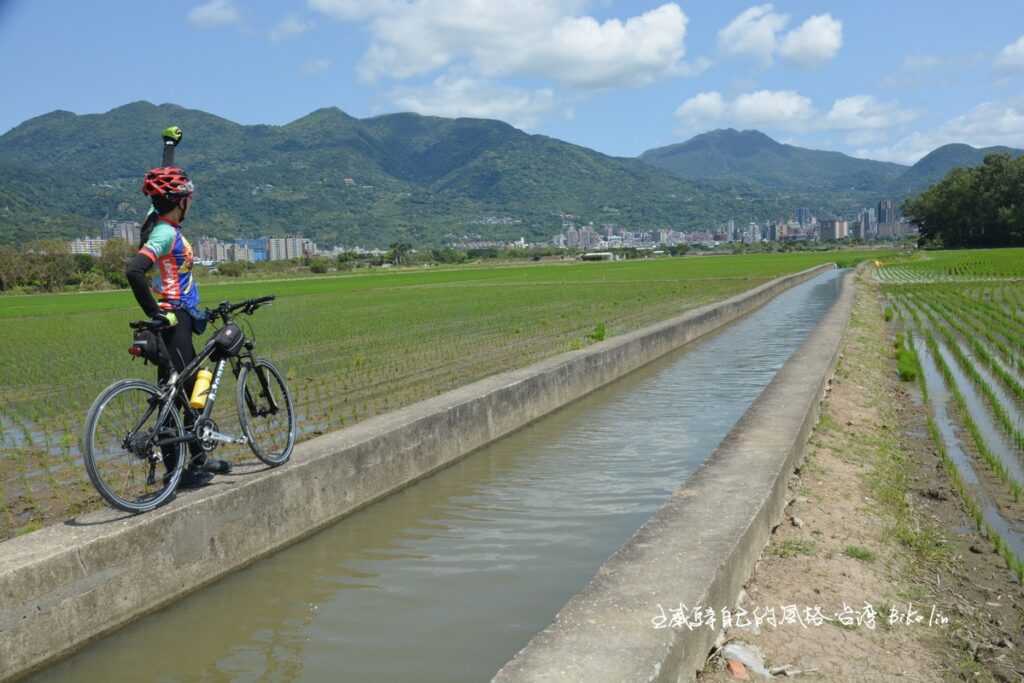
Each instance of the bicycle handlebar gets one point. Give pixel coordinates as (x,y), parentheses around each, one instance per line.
(226,308)
(248,307)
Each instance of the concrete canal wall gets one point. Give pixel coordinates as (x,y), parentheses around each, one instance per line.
(697,549)
(67,584)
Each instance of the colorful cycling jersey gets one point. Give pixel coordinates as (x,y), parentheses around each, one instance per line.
(171,252)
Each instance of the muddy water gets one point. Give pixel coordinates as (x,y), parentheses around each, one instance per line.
(999,444)
(941,402)
(446,580)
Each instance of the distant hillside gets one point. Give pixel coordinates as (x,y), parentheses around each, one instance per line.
(752,156)
(934,166)
(336,178)
(425,180)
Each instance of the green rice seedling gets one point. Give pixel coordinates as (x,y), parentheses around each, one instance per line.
(598,334)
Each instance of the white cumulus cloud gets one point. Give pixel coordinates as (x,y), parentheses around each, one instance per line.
(815,41)
(778,107)
(986,125)
(352,10)
(753,33)
(866,118)
(1011,57)
(758,33)
(454,96)
(705,106)
(536,38)
(289,27)
(213,14)
(866,112)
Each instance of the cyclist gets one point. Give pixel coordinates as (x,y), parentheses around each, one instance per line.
(162,244)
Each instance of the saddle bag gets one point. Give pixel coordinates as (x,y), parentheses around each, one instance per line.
(149,346)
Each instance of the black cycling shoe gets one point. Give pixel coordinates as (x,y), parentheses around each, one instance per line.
(194,478)
(215,466)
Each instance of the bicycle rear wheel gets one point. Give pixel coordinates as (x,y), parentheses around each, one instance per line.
(265,412)
(129,475)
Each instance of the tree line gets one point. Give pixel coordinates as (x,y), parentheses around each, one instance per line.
(973,207)
(49,266)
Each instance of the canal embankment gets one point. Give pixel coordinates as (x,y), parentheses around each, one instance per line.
(68,584)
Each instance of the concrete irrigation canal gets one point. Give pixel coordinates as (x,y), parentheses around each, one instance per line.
(449,578)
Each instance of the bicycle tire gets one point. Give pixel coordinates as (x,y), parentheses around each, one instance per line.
(96,464)
(272,444)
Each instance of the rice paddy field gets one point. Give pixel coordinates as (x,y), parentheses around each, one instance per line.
(351,346)
(963,316)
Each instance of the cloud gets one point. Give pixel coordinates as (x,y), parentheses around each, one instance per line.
(705,106)
(213,14)
(535,38)
(315,66)
(862,112)
(454,96)
(289,27)
(753,33)
(353,10)
(924,71)
(986,125)
(817,40)
(788,110)
(1011,57)
(778,108)
(757,33)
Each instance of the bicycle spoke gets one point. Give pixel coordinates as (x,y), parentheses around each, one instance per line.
(122,474)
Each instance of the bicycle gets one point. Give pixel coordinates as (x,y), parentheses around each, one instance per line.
(119,446)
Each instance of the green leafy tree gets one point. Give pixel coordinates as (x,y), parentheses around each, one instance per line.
(399,253)
(973,207)
(113,260)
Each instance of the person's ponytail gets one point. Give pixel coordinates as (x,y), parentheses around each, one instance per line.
(160,207)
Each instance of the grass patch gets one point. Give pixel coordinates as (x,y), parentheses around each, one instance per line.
(859,553)
(793,547)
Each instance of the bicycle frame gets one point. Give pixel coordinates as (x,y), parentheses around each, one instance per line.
(173,393)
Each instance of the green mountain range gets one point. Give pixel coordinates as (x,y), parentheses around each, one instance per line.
(425,180)
(334,178)
(934,166)
(752,156)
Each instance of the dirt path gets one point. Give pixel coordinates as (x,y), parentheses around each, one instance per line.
(874,524)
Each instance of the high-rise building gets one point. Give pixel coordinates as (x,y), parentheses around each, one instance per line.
(803,217)
(887,211)
(276,249)
(121,230)
(293,247)
(572,237)
(833,229)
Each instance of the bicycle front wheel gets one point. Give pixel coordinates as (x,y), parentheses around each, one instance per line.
(265,412)
(129,474)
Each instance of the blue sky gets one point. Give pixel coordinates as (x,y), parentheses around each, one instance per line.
(881,79)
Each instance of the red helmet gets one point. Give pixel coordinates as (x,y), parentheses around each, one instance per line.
(169,182)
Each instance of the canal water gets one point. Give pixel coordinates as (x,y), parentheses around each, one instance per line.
(448,579)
